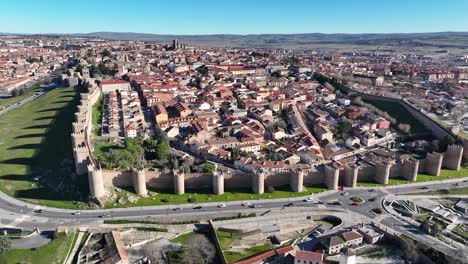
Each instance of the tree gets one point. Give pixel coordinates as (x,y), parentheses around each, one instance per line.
(203,70)
(345,127)
(435,230)
(79,68)
(208,167)
(161,150)
(150,145)
(5,245)
(405,128)
(199,250)
(426,226)
(106,53)
(174,164)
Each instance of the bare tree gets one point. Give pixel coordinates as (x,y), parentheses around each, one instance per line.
(152,252)
(199,250)
(5,245)
(405,128)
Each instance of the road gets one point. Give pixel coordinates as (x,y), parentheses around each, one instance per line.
(22,102)
(15,213)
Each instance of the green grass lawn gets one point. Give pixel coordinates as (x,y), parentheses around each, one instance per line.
(444,175)
(54,252)
(97,111)
(461,232)
(183,239)
(6,102)
(398,112)
(205,196)
(36,160)
(226,239)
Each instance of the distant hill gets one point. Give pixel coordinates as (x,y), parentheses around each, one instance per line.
(436,39)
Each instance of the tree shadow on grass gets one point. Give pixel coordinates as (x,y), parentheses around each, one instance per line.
(30,136)
(45,118)
(17,161)
(60,102)
(14,177)
(26,146)
(53,160)
(51,110)
(37,127)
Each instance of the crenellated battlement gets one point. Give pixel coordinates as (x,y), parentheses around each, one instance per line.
(382,170)
(453,157)
(432,164)
(409,169)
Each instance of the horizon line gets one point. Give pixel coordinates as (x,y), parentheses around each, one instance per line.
(233,34)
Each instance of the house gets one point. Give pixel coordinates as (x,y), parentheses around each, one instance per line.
(371,236)
(160,113)
(308,257)
(249,147)
(462,205)
(108,86)
(335,243)
(182,109)
(130,131)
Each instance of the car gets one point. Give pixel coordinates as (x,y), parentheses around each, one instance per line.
(344,193)
(354,204)
(457,184)
(76,213)
(316,233)
(336,203)
(424,188)
(257,206)
(221,205)
(309,199)
(177,209)
(38,211)
(321,202)
(289,205)
(378,210)
(104,216)
(370,190)
(246,204)
(197,207)
(371,199)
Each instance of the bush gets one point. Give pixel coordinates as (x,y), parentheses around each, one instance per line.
(356,199)
(151,229)
(270,189)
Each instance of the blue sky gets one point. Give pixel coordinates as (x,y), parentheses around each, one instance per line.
(233,16)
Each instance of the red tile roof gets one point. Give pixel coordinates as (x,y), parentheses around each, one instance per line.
(309,256)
